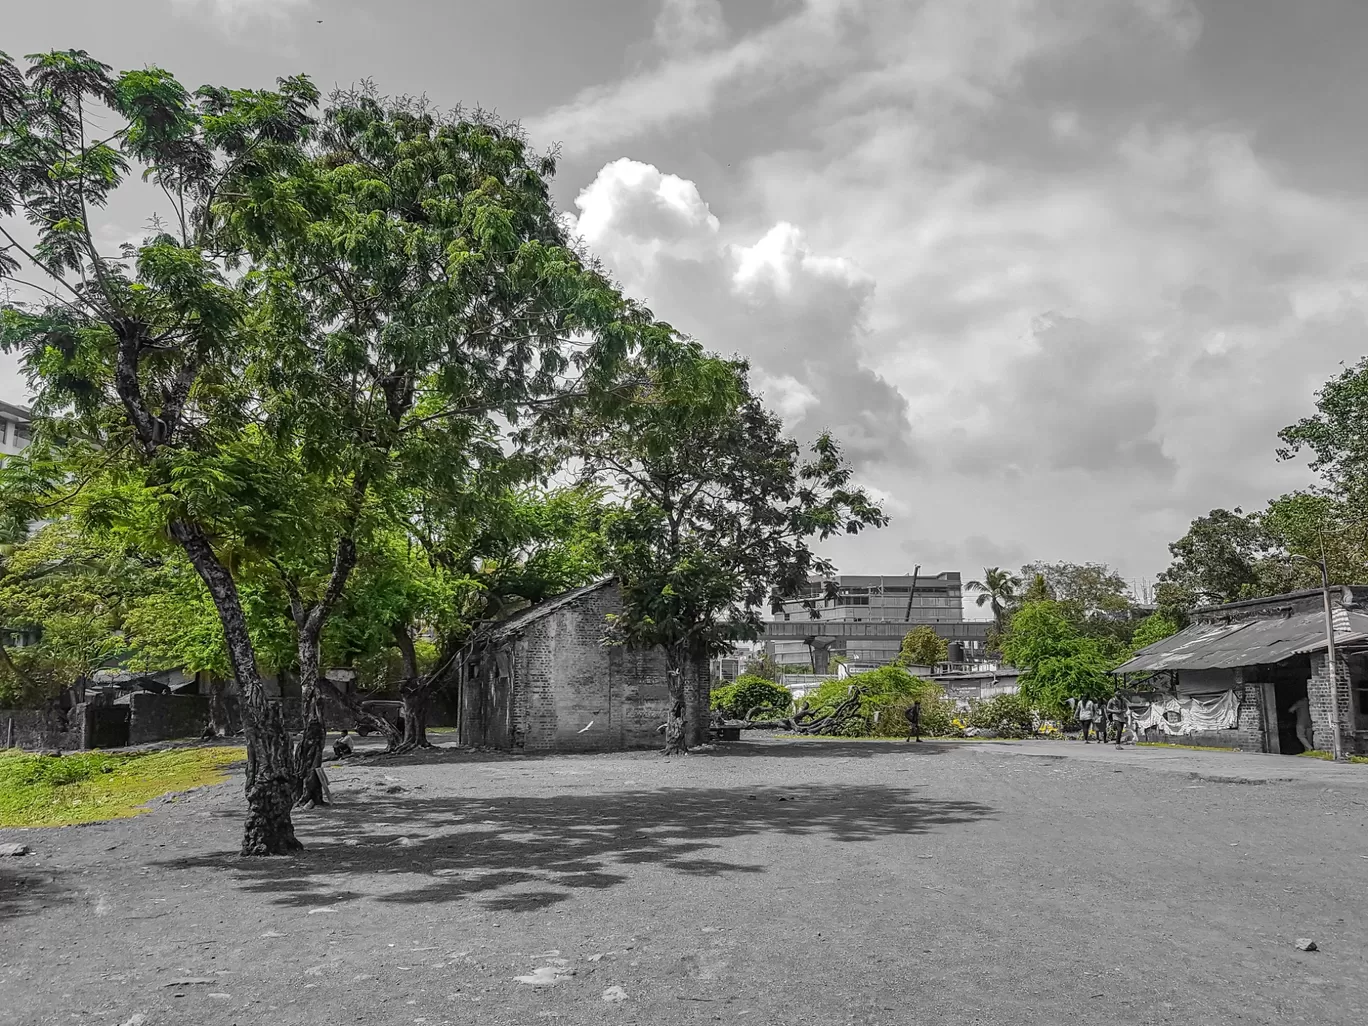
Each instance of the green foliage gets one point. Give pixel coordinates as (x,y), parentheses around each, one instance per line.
(89,787)
(339,339)
(885,692)
(1009,715)
(74,592)
(1153,628)
(922,646)
(738,698)
(764,666)
(1058,661)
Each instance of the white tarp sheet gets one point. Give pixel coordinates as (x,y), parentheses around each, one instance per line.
(1193,714)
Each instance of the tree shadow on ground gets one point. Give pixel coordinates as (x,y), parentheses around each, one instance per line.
(517,853)
(25,891)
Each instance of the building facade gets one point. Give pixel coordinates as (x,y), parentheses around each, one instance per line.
(14,429)
(1255,675)
(864,617)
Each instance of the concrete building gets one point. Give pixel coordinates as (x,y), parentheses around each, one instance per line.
(868,615)
(544,681)
(14,429)
(1236,675)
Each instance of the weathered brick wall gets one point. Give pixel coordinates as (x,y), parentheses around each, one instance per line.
(163,717)
(570,692)
(1318,696)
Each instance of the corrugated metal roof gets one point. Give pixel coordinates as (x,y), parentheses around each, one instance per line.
(1221,646)
(520,620)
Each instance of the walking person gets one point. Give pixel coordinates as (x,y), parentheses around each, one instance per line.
(913,715)
(1087,713)
(1116,714)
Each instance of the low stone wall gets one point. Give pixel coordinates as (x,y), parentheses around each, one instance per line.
(41,730)
(164,717)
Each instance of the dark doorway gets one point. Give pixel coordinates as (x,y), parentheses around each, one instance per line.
(1289,679)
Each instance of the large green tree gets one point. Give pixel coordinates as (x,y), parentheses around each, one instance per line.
(1058,662)
(718,513)
(325,327)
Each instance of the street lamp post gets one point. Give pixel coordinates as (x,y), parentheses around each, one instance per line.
(1332,661)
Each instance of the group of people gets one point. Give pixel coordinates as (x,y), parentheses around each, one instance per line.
(1105,718)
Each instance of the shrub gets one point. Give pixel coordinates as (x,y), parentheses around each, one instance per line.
(936,716)
(747,692)
(1009,715)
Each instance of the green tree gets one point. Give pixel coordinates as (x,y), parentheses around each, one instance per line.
(327,328)
(1057,661)
(718,510)
(73,593)
(997,591)
(1154,628)
(922,646)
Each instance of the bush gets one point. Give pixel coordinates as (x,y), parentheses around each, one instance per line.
(936,716)
(747,692)
(1009,715)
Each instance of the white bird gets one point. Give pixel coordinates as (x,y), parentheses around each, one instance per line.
(586,726)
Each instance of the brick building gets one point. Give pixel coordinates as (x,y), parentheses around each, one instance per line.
(1247,664)
(544,681)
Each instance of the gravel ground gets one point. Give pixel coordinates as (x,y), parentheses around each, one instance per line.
(770,881)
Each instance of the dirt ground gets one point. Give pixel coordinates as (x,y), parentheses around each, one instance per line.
(767,882)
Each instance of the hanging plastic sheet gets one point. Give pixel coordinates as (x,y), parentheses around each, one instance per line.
(1188,714)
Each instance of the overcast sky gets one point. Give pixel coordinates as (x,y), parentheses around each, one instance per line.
(1054,271)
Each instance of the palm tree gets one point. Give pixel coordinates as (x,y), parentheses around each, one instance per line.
(997,590)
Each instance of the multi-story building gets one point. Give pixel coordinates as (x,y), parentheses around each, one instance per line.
(868,615)
(14,429)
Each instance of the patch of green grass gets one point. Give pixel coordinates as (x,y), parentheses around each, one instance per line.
(88,787)
(1329,756)
(1190,748)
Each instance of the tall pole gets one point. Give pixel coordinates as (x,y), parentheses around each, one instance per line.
(1331,657)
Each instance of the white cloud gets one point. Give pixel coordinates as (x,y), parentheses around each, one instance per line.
(797,314)
(689,24)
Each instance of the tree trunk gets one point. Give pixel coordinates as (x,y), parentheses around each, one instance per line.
(269,830)
(270,785)
(676,739)
(308,754)
(415,701)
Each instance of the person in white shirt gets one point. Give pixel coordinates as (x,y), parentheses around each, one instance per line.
(1087,713)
